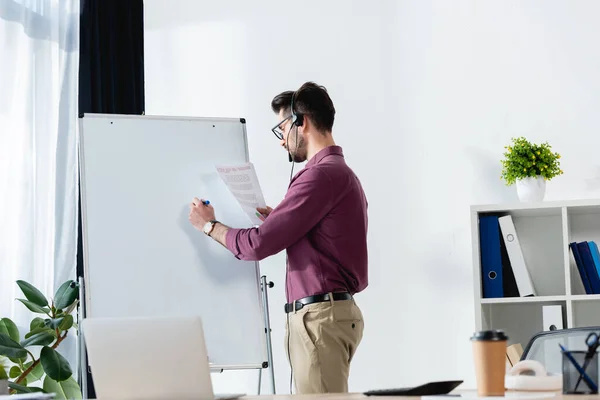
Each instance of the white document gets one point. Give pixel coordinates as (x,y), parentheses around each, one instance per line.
(243,183)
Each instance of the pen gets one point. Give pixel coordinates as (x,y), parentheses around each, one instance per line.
(205,202)
(585,376)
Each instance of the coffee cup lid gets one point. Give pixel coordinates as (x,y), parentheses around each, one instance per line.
(494,334)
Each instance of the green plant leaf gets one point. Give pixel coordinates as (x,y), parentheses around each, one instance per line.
(37,322)
(36,373)
(68,389)
(72,307)
(39,339)
(66,323)
(3,374)
(12,330)
(66,294)
(14,372)
(10,348)
(38,330)
(24,389)
(18,360)
(53,323)
(34,307)
(33,294)
(55,365)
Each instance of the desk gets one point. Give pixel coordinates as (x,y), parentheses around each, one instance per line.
(357,396)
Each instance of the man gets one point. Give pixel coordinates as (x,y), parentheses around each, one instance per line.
(322,223)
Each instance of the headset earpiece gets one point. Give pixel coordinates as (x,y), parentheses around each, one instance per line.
(297,119)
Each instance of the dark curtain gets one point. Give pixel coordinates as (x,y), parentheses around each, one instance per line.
(111,71)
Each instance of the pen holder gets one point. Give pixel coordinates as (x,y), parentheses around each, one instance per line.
(574,381)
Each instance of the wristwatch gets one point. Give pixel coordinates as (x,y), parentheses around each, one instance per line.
(209,226)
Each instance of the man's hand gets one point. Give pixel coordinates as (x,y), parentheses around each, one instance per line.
(264,211)
(200,213)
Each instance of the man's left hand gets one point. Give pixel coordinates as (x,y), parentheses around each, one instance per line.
(200,213)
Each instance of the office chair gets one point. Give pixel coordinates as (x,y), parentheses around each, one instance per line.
(543,347)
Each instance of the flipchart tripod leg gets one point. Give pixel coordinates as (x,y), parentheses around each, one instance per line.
(265,299)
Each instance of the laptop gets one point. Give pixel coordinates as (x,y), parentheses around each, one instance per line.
(149,358)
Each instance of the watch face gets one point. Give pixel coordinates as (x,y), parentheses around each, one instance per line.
(207,227)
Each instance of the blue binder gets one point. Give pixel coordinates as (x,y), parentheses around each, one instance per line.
(595,254)
(590,268)
(581,268)
(491,257)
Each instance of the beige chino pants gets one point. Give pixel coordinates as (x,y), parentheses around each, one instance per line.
(323,338)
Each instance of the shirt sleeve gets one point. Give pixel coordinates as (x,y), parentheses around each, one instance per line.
(307,201)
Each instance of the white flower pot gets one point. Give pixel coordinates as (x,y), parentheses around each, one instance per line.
(531,189)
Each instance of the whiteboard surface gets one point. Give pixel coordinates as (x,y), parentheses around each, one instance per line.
(142,256)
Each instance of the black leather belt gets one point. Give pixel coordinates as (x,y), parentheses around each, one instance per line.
(300,303)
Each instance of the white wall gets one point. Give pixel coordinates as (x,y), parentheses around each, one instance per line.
(427,93)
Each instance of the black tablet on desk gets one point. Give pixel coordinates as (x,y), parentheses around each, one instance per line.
(427,389)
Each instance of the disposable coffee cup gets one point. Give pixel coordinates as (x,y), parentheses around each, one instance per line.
(489,355)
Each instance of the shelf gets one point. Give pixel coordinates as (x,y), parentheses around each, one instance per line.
(521,321)
(516,300)
(585,297)
(544,231)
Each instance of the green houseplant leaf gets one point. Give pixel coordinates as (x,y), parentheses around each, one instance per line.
(33,294)
(55,365)
(11,329)
(38,330)
(53,323)
(14,372)
(66,294)
(66,324)
(68,389)
(37,322)
(34,307)
(39,339)
(10,348)
(3,374)
(36,373)
(24,389)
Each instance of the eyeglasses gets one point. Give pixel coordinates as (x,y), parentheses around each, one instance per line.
(277,130)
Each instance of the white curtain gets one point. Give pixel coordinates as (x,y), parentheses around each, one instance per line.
(39,62)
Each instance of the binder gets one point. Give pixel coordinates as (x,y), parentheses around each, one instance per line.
(515,255)
(491,258)
(581,268)
(595,254)
(588,265)
(508,277)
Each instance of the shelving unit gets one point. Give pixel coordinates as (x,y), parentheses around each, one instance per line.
(544,230)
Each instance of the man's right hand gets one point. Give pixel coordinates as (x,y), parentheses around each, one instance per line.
(264,211)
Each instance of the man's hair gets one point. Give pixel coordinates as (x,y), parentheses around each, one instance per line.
(311,100)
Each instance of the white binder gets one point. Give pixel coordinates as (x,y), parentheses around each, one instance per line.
(515,255)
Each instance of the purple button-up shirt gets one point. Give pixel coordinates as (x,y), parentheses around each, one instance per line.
(322,222)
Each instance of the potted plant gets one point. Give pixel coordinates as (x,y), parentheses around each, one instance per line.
(529,166)
(49,371)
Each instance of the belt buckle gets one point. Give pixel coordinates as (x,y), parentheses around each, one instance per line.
(295,306)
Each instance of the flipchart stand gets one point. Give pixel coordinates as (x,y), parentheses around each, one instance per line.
(84,370)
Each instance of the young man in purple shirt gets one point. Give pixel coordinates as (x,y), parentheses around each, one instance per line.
(322,224)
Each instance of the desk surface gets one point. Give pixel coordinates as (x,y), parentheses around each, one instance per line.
(465,394)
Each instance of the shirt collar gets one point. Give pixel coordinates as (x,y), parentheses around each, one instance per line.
(329,150)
